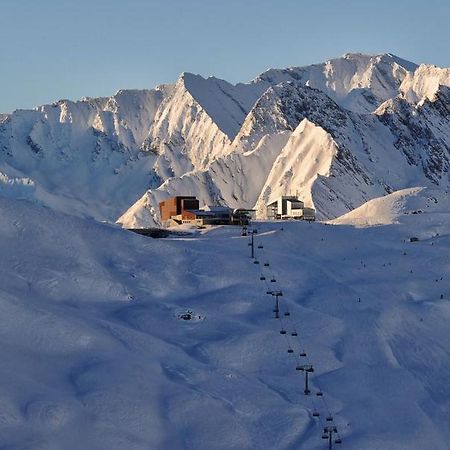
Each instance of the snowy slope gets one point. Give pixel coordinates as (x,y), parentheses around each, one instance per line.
(226,104)
(197,122)
(431,206)
(94,357)
(383,210)
(81,155)
(234,180)
(307,155)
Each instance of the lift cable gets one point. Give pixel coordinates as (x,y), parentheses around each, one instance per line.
(291,351)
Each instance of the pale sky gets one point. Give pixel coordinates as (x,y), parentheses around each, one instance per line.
(52,49)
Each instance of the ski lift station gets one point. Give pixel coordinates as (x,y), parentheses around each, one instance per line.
(289,207)
(182,210)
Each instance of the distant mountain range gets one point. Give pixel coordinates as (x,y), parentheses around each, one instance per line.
(337,133)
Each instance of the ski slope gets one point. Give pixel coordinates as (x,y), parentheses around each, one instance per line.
(94,356)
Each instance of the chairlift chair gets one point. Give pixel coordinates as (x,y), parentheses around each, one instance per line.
(290,350)
(273,280)
(319,394)
(303,354)
(315,414)
(329,419)
(338,441)
(262,278)
(287,313)
(266,264)
(260,246)
(282,331)
(294,333)
(256,262)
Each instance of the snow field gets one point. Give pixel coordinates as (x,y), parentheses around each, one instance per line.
(95,356)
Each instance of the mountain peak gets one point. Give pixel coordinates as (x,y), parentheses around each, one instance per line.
(225,103)
(387,58)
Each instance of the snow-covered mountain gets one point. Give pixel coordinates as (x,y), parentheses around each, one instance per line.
(356,81)
(338,133)
(95,351)
(83,157)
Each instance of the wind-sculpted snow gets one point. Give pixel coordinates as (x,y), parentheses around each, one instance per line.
(95,356)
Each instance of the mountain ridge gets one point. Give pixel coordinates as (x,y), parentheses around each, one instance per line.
(199,136)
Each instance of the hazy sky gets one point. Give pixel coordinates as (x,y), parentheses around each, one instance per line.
(52,49)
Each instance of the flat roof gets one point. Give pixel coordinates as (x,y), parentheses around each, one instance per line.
(199,212)
(218,208)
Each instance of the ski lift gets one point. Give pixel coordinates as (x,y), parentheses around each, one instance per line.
(294,333)
(273,280)
(262,277)
(287,313)
(256,262)
(316,414)
(290,350)
(303,353)
(282,331)
(338,441)
(329,419)
(324,436)
(260,246)
(319,394)
(266,264)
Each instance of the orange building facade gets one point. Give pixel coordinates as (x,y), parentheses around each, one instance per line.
(175,206)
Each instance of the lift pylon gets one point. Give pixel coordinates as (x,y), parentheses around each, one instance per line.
(276,310)
(307,368)
(328,434)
